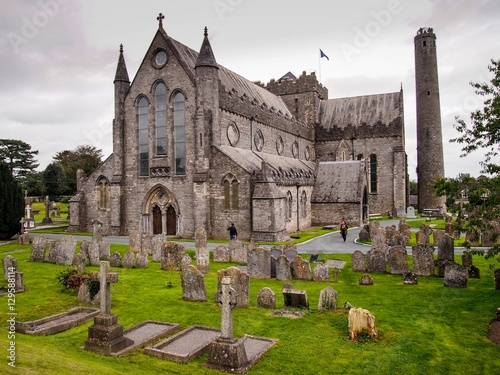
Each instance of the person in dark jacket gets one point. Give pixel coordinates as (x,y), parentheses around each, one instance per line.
(233,232)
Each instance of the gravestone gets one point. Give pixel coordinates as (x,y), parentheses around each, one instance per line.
(115,260)
(321,273)
(96,231)
(93,252)
(202,253)
(397,260)
(379,242)
(283,271)
(301,269)
(129,259)
(158,242)
(105,336)
(84,248)
(375,260)
(186,261)
(366,280)
(259,263)
(134,240)
(23,239)
(390,231)
(410,212)
(374,227)
(54,249)
(449,227)
(327,299)
(276,252)
(455,276)
(423,259)
(423,234)
(84,295)
(9,266)
(240,282)
(266,298)
(193,285)
(79,262)
(438,234)
(222,254)
(104,250)
(364,235)
(491,235)
(141,260)
(147,243)
(172,257)
(65,252)
(466,259)
(295,298)
(290,252)
(238,251)
(441,266)
(474,273)
(410,277)
(358,261)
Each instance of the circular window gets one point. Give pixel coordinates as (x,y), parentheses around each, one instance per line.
(233,134)
(160,58)
(258,140)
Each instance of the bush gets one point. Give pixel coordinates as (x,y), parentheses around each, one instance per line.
(11,204)
(63,276)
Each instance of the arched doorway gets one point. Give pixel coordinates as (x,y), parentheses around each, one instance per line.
(171,221)
(157,222)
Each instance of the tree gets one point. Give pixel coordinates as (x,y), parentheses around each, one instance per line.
(484,132)
(53,180)
(11,203)
(32,183)
(86,157)
(18,156)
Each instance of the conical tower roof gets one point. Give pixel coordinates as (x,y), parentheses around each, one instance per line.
(121,69)
(206,56)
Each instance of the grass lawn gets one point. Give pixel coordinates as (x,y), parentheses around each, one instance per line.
(424,328)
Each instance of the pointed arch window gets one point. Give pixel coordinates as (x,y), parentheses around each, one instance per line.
(103,193)
(303,204)
(142,124)
(180,133)
(231,193)
(373,173)
(288,205)
(161,119)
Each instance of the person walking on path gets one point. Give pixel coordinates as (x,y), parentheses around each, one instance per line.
(343,229)
(233,232)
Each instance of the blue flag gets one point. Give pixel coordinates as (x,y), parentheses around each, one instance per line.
(322,54)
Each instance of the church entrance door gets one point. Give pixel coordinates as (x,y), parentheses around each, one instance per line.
(171,221)
(157,227)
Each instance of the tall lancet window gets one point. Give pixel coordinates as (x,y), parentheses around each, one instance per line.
(373,173)
(161,119)
(142,124)
(179,134)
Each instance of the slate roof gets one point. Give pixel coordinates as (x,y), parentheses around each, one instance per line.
(335,181)
(358,110)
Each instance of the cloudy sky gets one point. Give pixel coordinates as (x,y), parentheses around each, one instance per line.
(58,57)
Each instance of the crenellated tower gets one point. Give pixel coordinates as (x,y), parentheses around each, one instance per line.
(430,160)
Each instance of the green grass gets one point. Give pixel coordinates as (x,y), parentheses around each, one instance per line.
(424,328)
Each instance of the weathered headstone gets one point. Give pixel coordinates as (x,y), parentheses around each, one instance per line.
(186,261)
(66,248)
(374,227)
(320,273)
(446,248)
(438,234)
(449,227)
(295,298)
(466,259)
(23,239)
(283,271)
(423,234)
(266,298)
(193,284)
(360,320)
(104,250)
(290,252)
(358,261)
(202,253)
(54,249)
(93,252)
(410,212)
(375,260)
(115,260)
(379,241)
(259,263)
(135,239)
(238,251)
(96,231)
(410,277)
(455,276)
(327,299)
(141,260)
(84,248)
(147,243)
(80,262)
(364,235)
(301,269)
(222,254)
(366,280)
(474,273)
(240,282)
(9,266)
(423,259)
(129,259)
(158,242)
(397,260)
(172,256)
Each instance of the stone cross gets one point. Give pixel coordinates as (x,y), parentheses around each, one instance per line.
(105,278)
(160,18)
(227,301)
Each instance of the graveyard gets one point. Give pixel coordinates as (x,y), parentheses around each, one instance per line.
(423,328)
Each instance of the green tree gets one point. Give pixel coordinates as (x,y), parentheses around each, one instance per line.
(53,181)
(484,132)
(85,157)
(18,156)
(11,203)
(33,183)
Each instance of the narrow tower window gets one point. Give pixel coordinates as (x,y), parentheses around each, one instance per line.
(161,119)
(103,186)
(288,205)
(179,134)
(231,195)
(373,173)
(142,124)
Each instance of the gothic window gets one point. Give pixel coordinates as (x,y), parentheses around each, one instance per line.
(179,134)
(288,205)
(303,204)
(231,198)
(373,173)
(103,186)
(161,119)
(142,124)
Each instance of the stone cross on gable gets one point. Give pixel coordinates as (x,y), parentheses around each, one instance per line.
(227,301)
(105,278)
(160,18)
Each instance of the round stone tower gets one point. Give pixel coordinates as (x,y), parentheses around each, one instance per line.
(430,162)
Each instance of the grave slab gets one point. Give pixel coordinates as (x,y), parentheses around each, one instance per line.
(185,345)
(57,323)
(332,263)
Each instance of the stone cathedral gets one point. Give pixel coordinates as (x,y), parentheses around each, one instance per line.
(198,145)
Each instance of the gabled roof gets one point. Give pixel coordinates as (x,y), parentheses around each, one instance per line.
(336,182)
(367,109)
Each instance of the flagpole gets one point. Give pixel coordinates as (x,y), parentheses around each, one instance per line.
(320,67)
